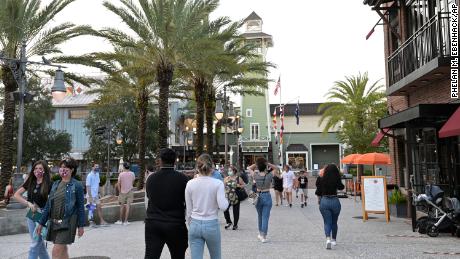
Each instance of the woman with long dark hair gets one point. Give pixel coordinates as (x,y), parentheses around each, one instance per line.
(37,185)
(64,209)
(329,205)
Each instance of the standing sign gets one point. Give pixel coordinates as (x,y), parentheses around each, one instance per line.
(374,194)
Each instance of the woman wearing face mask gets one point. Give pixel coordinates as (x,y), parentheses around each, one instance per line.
(231,182)
(64,209)
(37,185)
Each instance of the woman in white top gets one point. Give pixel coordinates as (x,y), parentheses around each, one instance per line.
(204,196)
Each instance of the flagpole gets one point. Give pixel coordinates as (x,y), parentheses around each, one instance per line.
(281,124)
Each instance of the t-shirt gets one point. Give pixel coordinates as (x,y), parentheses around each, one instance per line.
(126,180)
(92,180)
(303,182)
(288,179)
(34,195)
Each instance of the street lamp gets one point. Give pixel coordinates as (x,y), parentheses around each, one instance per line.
(19,68)
(239,131)
(119,138)
(223,113)
(219,111)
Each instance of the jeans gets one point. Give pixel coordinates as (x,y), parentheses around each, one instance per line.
(37,248)
(330,209)
(201,231)
(236,214)
(158,233)
(264,205)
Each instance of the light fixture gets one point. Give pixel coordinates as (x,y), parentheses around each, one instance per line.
(417,139)
(119,138)
(231,112)
(58,90)
(189,142)
(424,81)
(240,126)
(219,111)
(439,74)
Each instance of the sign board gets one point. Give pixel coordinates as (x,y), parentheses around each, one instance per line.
(374,196)
(315,166)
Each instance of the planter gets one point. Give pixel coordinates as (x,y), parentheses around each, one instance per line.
(398,210)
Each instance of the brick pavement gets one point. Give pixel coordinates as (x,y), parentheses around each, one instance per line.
(293,233)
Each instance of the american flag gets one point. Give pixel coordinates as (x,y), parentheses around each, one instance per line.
(297,111)
(278,86)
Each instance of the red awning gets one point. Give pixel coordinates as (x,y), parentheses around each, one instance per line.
(452,126)
(379,137)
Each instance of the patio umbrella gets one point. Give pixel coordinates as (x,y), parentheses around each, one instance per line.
(374,159)
(350,159)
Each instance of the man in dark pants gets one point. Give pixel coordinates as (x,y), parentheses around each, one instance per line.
(165,220)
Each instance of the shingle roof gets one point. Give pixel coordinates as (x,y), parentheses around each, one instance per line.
(79,100)
(304,109)
(256,35)
(252,16)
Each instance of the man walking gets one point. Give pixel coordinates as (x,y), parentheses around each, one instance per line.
(288,183)
(92,190)
(125,186)
(165,220)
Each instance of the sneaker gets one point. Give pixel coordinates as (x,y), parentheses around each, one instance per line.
(118,222)
(92,224)
(328,244)
(264,240)
(333,242)
(235,227)
(259,237)
(305,204)
(290,205)
(301,205)
(104,224)
(126,223)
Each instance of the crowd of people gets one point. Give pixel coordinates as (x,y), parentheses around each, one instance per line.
(182,208)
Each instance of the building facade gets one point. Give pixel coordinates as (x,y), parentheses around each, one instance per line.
(418,53)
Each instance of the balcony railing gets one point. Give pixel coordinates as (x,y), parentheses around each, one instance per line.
(431,41)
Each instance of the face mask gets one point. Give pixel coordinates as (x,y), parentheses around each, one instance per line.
(97,170)
(230,173)
(63,172)
(38,174)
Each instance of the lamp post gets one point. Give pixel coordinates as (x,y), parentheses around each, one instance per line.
(185,143)
(223,112)
(19,68)
(239,131)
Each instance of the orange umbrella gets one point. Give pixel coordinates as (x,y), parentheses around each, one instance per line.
(374,159)
(350,159)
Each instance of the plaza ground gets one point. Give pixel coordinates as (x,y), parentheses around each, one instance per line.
(293,233)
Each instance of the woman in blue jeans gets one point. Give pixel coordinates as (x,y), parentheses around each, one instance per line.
(204,196)
(329,205)
(37,185)
(263,179)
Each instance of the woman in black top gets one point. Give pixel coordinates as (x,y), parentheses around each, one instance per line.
(330,207)
(278,187)
(37,185)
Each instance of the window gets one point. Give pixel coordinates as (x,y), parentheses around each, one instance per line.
(248,112)
(78,114)
(255,131)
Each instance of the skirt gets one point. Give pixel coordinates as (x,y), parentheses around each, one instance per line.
(66,236)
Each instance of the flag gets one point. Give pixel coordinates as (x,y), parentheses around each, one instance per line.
(278,86)
(282,124)
(297,113)
(275,127)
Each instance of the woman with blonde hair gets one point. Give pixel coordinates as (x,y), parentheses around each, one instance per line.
(204,196)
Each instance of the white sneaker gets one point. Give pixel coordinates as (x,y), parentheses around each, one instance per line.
(92,224)
(264,240)
(126,223)
(260,237)
(118,222)
(333,242)
(328,244)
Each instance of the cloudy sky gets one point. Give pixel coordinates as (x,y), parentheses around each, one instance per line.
(315,42)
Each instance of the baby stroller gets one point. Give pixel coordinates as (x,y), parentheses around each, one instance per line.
(443,213)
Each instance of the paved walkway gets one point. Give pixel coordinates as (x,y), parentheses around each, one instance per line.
(293,233)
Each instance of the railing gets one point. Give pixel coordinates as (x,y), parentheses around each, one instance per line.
(431,41)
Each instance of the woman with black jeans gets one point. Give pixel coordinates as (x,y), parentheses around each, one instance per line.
(330,207)
(231,182)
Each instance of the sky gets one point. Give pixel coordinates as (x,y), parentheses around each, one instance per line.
(315,42)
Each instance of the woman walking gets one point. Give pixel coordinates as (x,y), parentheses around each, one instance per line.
(330,207)
(231,182)
(278,187)
(204,196)
(37,185)
(263,179)
(64,210)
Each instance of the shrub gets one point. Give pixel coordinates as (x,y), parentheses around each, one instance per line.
(102,180)
(396,197)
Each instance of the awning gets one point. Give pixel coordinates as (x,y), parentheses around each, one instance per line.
(452,126)
(379,137)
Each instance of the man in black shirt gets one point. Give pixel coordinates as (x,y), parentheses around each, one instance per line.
(165,220)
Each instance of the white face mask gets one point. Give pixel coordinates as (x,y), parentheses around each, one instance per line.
(230,173)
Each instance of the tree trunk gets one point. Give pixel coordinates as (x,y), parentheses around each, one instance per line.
(164,79)
(200,99)
(8,127)
(210,107)
(143,103)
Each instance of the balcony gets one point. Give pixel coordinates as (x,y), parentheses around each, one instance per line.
(422,59)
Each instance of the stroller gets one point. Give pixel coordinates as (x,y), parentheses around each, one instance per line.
(443,213)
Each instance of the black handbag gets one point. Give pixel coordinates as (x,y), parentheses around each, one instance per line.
(59,224)
(241,193)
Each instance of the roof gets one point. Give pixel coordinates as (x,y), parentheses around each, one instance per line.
(256,35)
(78,100)
(375,2)
(304,109)
(252,16)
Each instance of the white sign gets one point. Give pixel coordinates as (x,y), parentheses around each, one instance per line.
(374,193)
(315,166)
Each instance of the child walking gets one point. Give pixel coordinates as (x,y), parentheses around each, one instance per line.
(303,186)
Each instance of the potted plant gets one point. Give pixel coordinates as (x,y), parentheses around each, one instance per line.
(398,204)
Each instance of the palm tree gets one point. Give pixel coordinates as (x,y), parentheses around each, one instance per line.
(164,29)
(357,106)
(26,20)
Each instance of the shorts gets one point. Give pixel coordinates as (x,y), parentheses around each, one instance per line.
(126,198)
(305,192)
(288,189)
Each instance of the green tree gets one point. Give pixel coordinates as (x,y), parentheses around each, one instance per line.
(28,21)
(357,106)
